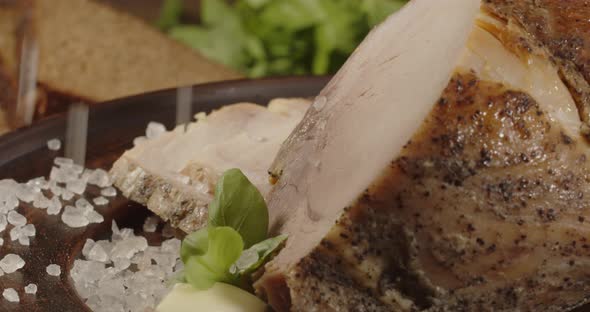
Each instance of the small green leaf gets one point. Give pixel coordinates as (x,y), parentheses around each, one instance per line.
(225,247)
(256,4)
(216,12)
(195,244)
(239,205)
(170,14)
(252,258)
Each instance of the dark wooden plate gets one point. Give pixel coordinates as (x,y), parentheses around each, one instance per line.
(112,128)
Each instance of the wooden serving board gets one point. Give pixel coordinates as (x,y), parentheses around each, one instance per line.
(112,128)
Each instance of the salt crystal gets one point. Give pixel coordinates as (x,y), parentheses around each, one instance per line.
(39,182)
(16,218)
(121,263)
(15,233)
(76,186)
(55,189)
(23,240)
(76,169)
(54,144)
(31,289)
(11,295)
(53,270)
(151,224)
(121,286)
(137,141)
(1,242)
(128,247)
(109,192)
(26,193)
(99,178)
(87,271)
(60,161)
(83,204)
(29,230)
(3,223)
(94,217)
(171,246)
(74,217)
(58,175)
(67,194)
(97,253)
(154,130)
(115,228)
(54,207)
(100,201)
(106,245)
(41,201)
(87,247)
(11,263)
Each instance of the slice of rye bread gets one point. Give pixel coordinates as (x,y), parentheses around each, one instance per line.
(93,53)
(9,19)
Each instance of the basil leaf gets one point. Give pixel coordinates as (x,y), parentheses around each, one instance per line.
(239,205)
(225,247)
(254,257)
(194,244)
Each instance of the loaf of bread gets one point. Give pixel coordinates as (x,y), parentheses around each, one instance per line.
(91,52)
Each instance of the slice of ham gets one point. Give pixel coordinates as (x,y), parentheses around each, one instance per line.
(174,174)
(443,169)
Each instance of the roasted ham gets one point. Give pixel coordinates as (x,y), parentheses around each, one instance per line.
(444,168)
(174,174)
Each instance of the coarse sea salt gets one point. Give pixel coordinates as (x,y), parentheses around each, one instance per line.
(74,217)
(99,178)
(125,274)
(53,270)
(31,289)
(3,223)
(16,218)
(76,186)
(54,144)
(154,130)
(109,192)
(55,206)
(11,263)
(11,295)
(100,201)
(151,224)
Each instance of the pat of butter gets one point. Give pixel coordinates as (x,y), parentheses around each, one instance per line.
(220,298)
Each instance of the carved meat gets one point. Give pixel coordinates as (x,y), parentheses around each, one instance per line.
(174,174)
(444,169)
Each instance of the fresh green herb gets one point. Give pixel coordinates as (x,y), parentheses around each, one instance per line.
(238,219)
(195,244)
(170,14)
(280,37)
(252,258)
(239,205)
(225,248)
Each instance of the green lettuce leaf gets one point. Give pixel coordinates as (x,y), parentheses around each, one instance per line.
(280,37)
